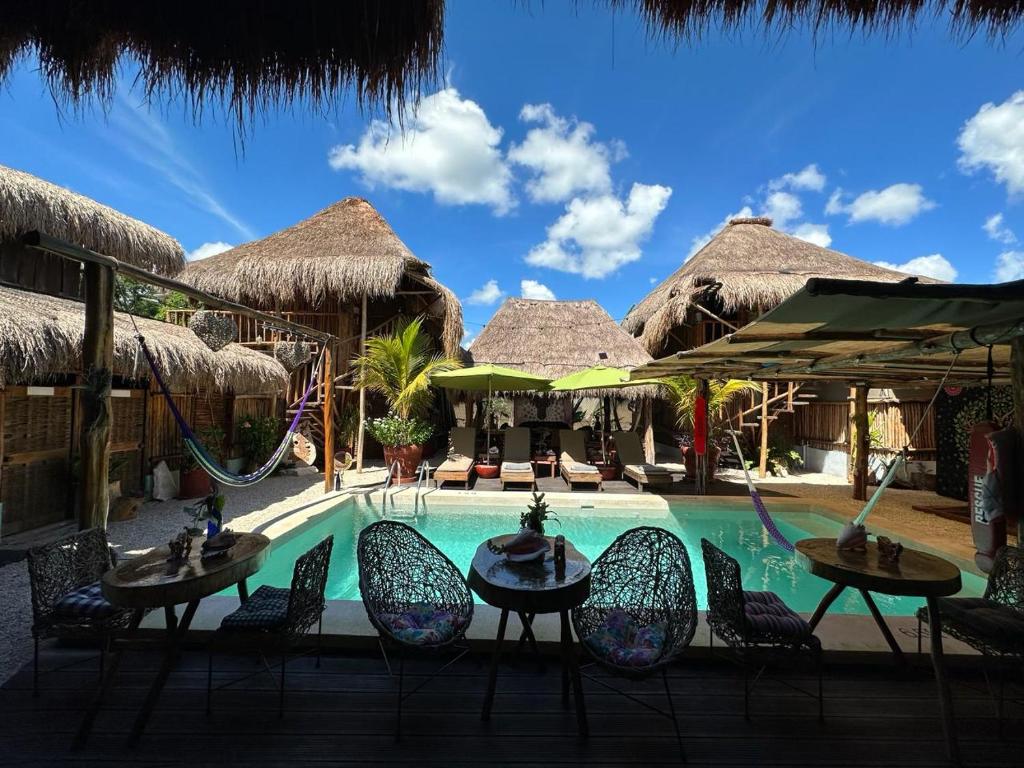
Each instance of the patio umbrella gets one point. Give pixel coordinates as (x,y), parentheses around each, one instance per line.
(479,378)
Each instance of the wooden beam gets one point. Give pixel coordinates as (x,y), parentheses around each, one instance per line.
(907,334)
(648,407)
(762,465)
(361,437)
(860,443)
(328,378)
(97,366)
(712,315)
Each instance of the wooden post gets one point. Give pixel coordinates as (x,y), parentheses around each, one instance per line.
(648,430)
(859,442)
(705,468)
(361,437)
(328,374)
(762,467)
(1017,380)
(97,365)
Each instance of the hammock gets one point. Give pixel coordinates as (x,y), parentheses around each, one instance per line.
(202,456)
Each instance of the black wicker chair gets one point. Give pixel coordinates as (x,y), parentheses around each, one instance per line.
(415,597)
(64,578)
(641,613)
(992,624)
(757,626)
(275,619)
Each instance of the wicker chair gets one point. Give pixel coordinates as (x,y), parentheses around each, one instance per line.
(992,624)
(415,597)
(642,611)
(64,578)
(755,625)
(275,619)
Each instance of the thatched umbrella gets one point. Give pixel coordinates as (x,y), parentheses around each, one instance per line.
(748,265)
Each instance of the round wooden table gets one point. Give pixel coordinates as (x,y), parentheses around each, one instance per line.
(915,574)
(150,581)
(530,589)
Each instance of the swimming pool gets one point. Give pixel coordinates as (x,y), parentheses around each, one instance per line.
(457,529)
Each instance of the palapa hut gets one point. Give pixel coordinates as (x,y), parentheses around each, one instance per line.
(344,271)
(42,326)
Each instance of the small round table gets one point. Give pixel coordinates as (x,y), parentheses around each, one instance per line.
(529,589)
(150,581)
(915,574)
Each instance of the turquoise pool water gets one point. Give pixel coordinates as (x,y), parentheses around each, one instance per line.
(458,529)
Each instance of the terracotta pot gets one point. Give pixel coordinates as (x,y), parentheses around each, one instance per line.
(194,484)
(487,471)
(690,460)
(608,471)
(408,458)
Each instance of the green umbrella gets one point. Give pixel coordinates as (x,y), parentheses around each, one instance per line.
(490,377)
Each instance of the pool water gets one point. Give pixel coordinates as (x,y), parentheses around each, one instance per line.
(457,529)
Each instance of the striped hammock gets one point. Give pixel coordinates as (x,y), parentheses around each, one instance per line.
(203,457)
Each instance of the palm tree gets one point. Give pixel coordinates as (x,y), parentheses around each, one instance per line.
(399,366)
(682,391)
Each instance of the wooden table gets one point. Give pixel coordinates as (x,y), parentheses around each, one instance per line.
(529,589)
(917,574)
(551,461)
(150,581)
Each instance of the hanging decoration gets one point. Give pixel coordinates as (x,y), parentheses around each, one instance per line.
(303,449)
(214,330)
(292,354)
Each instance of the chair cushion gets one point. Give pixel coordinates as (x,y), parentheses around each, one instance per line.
(990,620)
(768,618)
(422,624)
(621,641)
(516,466)
(652,471)
(588,469)
(266,608)
(85,603)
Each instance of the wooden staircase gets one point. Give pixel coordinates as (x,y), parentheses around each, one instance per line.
(783,397)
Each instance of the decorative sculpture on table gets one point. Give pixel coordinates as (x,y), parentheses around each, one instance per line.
(180,546)
(853,537)
(889,551)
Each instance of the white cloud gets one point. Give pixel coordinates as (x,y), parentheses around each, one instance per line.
(652,280)
(468,337)
(810,178)
(488,293)
(531,289)
(563,157)
(701,240)
(998,231)
(782,208)
(936,265)
(994,139)
(208,249)
(446,146)
(814,233)
(895,205)
(1009,266)
(597,235)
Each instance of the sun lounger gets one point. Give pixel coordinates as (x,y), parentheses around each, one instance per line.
(516,467)
(634,465)
(575,468)
(458,467)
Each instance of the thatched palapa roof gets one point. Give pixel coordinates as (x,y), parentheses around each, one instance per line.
(342,252)
(41,337)
(29,203)
(556,338)
(748,264)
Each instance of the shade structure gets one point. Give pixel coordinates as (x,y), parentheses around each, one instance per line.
(599,377)
(490,378)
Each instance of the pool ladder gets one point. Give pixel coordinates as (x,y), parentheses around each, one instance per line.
(387,484)
(422,473)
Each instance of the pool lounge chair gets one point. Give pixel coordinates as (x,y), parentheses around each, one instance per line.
(458,467)
(635,466)
(515,465)
(574,460)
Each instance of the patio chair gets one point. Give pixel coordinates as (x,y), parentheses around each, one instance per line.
(343,462)
(458,467)
(755,625)
(415,597)
(515,465)
(67,602)
(641,613)
(635,465)
(573,460)
(992,624)
(276,620)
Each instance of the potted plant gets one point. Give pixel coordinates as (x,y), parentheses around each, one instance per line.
(258,436)
(537,513)
(682,392)
(194,480)
(398,366)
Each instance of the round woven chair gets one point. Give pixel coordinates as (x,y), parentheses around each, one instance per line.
(415,597)
(644,580)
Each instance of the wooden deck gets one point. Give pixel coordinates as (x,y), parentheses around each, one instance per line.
(342,714)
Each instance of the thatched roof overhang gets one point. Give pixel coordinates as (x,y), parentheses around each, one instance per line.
(747,265)
(872,332)
(555,338)
(41,337)
(28,203)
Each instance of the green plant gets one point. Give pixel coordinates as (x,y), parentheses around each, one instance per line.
(258,437)
(348,426)
(171,300)
(210,508)
(682,394)
(393,431)
(537,513)
(782,457)
(876,438)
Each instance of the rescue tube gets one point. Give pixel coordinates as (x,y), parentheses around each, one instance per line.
(988,523)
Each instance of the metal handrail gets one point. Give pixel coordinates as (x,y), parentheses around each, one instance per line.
(423,473)
(387,484)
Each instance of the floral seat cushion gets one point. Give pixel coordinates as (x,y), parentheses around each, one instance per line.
(623,642)
(266,609)
(85,602)
(422,624)
(769,618)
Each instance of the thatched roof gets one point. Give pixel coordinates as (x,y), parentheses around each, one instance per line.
(556,338)
(342,252)
(41,336)
(28,203)
(748,265)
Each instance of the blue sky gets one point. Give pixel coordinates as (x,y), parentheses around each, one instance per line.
(567,155)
